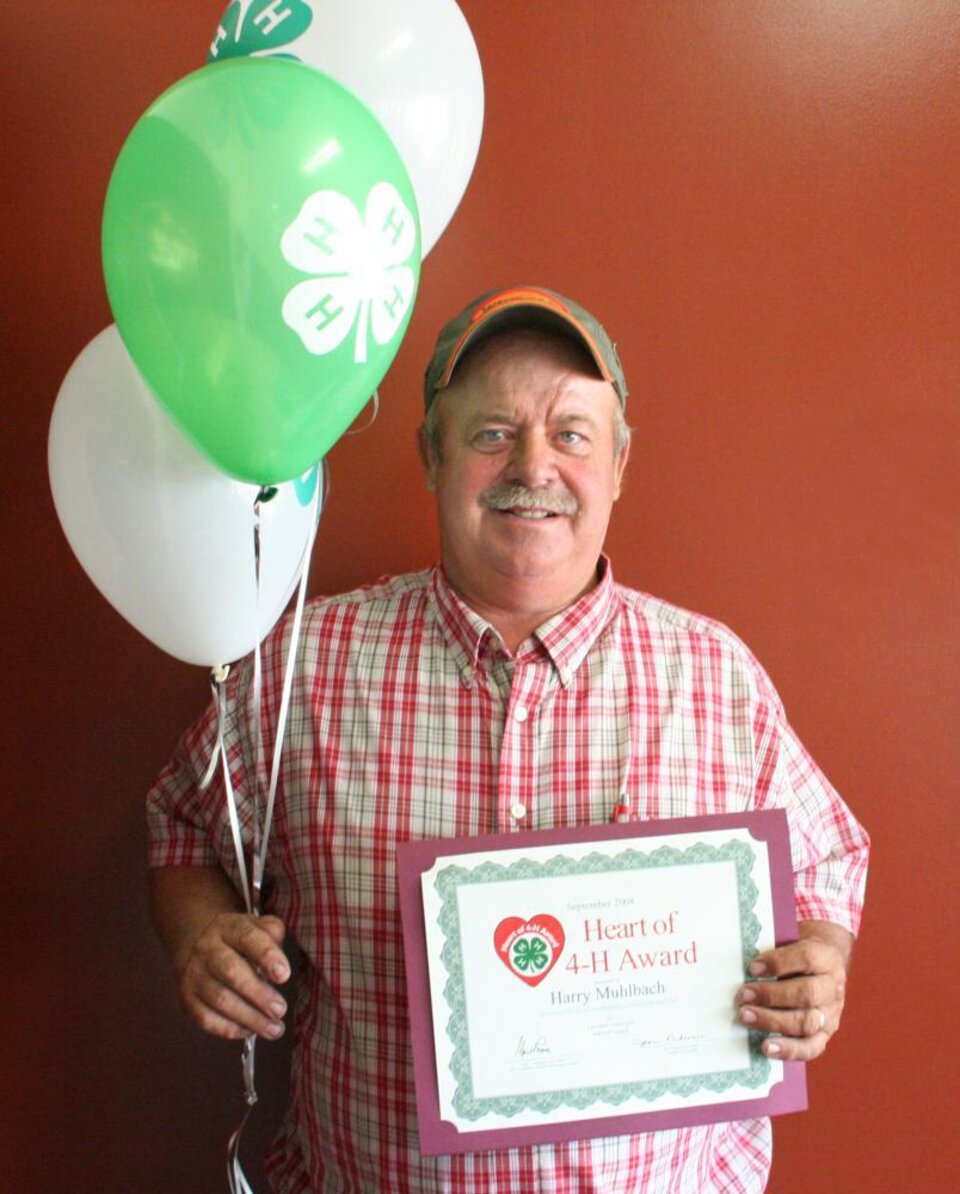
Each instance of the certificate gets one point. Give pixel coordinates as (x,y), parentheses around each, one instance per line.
(581,983)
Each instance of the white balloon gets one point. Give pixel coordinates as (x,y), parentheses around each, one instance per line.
(165,536)
(414,64)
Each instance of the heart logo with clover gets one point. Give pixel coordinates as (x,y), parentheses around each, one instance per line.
(529,948)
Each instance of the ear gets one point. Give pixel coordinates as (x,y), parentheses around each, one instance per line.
(620,465)
(428,460)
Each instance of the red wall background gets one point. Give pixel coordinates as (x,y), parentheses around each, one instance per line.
(759,197)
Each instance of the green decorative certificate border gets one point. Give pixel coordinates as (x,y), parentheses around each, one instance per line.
(467,1105)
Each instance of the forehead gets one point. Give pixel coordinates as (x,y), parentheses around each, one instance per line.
(526,367)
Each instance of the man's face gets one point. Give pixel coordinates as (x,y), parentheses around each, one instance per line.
(527,469)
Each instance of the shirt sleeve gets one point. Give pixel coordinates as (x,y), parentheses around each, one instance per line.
(187,824)
(829,846)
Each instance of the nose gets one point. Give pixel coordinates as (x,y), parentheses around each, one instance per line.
(532,461)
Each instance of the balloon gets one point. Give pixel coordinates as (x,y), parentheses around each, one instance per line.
(414,63)
(261,255)
(166,537)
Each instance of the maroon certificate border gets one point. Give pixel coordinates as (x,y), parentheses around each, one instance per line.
(440,1137)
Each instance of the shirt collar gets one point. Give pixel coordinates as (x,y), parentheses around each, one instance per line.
(565,639)
(569,635)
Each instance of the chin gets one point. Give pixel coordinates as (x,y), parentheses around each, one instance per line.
(531,565)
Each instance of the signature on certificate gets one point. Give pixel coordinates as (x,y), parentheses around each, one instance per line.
(527,1048)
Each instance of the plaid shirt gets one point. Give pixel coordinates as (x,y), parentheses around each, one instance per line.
(409,720)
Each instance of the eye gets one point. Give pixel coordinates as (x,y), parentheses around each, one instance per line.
(490,437)
(571,438)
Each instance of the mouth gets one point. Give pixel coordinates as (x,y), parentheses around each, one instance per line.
(528,515)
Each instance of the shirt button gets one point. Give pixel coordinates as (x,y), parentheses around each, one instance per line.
(518,811)
(521,713)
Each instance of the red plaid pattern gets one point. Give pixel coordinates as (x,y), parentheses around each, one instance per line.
(408,720)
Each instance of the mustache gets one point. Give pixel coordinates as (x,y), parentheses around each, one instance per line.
(518,497)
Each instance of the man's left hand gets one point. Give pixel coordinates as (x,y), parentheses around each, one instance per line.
(802,1008)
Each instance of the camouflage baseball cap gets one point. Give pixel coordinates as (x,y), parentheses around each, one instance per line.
(520,307)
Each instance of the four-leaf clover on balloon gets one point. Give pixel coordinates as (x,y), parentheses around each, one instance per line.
(259,27)
(530,953)
(362,276)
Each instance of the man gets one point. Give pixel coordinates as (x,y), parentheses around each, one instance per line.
(513,687)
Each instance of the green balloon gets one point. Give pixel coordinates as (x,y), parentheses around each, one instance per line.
(261,250)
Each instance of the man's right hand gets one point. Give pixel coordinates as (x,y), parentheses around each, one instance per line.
(225,959)
(221,983)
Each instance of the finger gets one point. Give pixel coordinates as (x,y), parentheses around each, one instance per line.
(801,957)
(213,1023)
(213,1005)
(273,926)
(809,991)
(799,1022)
(258,940)
(225,968)
(804,1048)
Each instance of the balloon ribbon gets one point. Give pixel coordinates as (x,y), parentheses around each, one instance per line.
(251,878)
